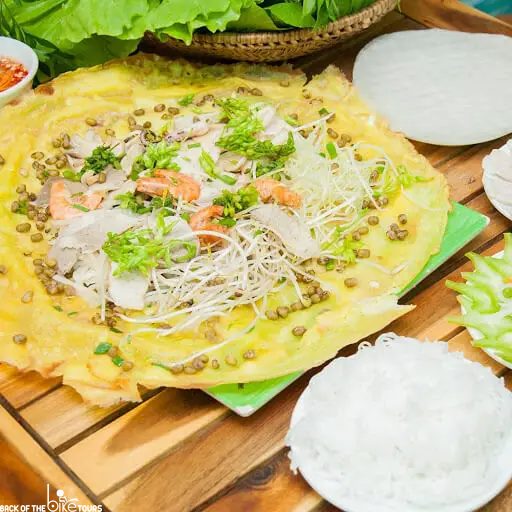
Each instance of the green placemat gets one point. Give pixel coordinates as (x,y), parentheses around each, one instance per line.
(463,225)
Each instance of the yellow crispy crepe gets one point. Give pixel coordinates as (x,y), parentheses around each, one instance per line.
(60,337)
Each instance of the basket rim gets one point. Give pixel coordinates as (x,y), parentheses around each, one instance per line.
(377,8)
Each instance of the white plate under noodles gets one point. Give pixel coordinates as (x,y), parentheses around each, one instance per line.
(328,387)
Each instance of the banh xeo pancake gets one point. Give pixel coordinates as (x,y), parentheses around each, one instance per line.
(165,224)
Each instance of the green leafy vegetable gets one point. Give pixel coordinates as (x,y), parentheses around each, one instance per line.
(140,250)
(331,149)
(70,33)
(161,156)
(186,100)
(135,203)
(102,348)
(391,182)
(486,298)
(208,166)
(99,159)
(343,246)
(81,208)
(236,202)
(71,175)
(118,360)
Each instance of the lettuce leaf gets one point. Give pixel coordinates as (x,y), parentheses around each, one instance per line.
(86,32)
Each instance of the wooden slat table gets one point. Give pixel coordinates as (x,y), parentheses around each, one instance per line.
(181,450)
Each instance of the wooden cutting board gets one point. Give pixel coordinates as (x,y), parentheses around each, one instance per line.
(181,450)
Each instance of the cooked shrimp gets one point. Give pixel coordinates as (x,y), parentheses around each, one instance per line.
(270,189)
(173,183)
(64,206)
(202,221)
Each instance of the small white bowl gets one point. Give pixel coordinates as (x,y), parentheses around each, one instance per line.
(20,52)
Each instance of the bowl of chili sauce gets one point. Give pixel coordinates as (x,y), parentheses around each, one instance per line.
(18,66)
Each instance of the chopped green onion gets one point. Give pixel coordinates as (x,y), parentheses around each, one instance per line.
(186,100)
(229,222)
(208,165)
(81,208)
(58,308)
(323,111)
(71,175)
(291,121)
(331,149)
(117,331)
(72,313)
(118,360)
(102,348)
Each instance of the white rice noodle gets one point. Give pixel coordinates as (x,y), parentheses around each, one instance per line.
(403,426)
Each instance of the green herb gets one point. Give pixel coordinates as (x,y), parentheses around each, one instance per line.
(71,175)
(102,348)
(140,250)
(115,330)
(331,265)
(58,308)
(331,149)
(291,121)
(137,167)
(227,221)
(81,208)
(343,246)
(100,158)
(194,145)
(161,156)
(323,111)
(244,143)
(129,201)
(186,100)
(236,202)
(118,360)
(134,203)
(72,313)
(392,182)
(208,165)
(22,207)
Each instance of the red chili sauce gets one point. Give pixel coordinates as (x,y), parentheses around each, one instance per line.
(11,72)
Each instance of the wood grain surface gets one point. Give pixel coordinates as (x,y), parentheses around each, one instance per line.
(182,451)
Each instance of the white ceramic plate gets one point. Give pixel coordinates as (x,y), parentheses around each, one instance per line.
(501,475)
(497,178)
(20,52)
(477,335)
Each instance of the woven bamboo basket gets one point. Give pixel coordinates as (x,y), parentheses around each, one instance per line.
(274,46)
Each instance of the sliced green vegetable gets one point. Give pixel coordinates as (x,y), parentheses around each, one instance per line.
(186,100)
(81,208)
(118,360)
(208,165)
(236,202)
(100,158)
(102,348)
(140,250)
(331,150)
(486,298)
(161,156)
